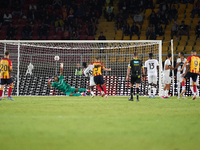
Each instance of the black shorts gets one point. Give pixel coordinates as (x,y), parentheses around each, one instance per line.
(135,79)
(6,81)
(98,80)
(192,75)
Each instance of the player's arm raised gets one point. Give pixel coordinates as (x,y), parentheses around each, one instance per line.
(106,69)
(49,82)
(61,69)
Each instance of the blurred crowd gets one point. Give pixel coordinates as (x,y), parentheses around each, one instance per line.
(42,19)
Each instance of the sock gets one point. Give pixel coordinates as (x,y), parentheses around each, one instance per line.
(9,91)
(166,92)
(149,90)
(99,88)
(191,88)
(76,94)
(178,89)
(195,89)
(1,92)
(82,90)
(104,89)
(92,92)
(154,91)
(131,92)
(137,89)
(163,92)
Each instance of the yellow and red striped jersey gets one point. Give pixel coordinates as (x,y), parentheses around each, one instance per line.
(97,71)
(5,66)
(194,63)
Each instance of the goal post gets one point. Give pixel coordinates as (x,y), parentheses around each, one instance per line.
(33,63)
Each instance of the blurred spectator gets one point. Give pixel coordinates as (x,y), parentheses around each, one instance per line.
(134,6)
(66,34)
(198,29)
(26,32)
(64,12)
(7,18)
(93,18)
(183,29)
(74,35)
(17,9)
(59,24)
(196,9)
(138,19)
(134,30)
(53,18)
(173,13)
(101,37)
(32,16)
(109,15)
(10,32)
(43,30)
(101,45)
(32,7)
(159,30)
(121,15)
(1,19)
(71,16)
(119,24)
(124,7)
(148,4)
(87,17)
(90,30)
(57,4)
(175,28)
(164,7)
(78,70)
(163,18)
(79,13)
(151,32)
(126,29)
(153,19)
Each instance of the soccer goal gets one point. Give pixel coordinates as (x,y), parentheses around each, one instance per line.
(34,63)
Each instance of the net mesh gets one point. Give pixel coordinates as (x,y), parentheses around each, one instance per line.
(37,64)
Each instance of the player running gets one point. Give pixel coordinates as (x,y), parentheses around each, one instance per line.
(166,76)
(179,64)
(64,87)
(191,86)
(6,69)
(152,66)
(193,72)
(88,72)
(98,78)
(135,66)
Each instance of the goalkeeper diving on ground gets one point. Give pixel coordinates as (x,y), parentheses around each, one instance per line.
(64,87)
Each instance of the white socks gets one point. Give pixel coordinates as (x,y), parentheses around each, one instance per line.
(166,92)
(149,90)
(191,88)
(154,91)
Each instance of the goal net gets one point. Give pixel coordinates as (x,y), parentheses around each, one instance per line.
(34,63)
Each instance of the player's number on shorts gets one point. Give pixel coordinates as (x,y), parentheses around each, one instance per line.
(4,67)
(151,65)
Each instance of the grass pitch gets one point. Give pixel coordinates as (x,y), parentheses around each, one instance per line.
(83,123)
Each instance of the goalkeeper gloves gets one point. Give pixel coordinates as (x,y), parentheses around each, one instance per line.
(49,81)
(61,65)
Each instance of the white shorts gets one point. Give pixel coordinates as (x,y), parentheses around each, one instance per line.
(197,82)
(179,78)
(166,79)
(152,78)
(92,81)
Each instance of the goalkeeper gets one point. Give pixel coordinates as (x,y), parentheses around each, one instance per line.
(64,87)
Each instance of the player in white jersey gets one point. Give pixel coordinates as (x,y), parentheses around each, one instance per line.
(179,64)
(152,66)
(166,76)
(88,72)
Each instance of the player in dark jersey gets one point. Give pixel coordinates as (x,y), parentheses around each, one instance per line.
(135,67)
(64,87)
(6,69)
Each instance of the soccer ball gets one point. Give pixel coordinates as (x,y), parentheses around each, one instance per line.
(56,58)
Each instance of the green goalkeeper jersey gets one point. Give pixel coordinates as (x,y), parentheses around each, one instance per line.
(61,85)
